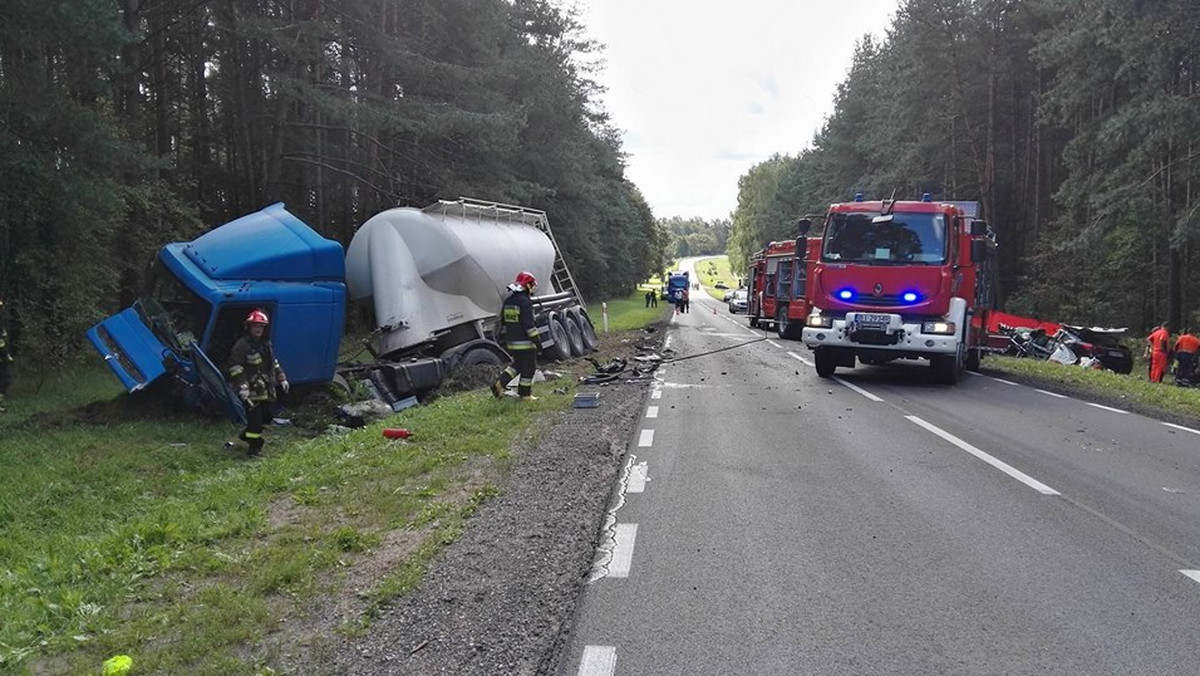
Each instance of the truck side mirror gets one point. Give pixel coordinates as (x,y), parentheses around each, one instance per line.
(979,250)
(978,228)
(803,226)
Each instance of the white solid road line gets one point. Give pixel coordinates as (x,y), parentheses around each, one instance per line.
(647,439)
(622,557)
(651,411)
(998,464)
(1053,394)
(1181,427)
(858,389)
(598,660)
(1006,382)
(802,360)
(1107,408)
(774,344)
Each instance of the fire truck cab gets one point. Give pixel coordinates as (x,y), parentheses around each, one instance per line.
(778,285)
(901,279)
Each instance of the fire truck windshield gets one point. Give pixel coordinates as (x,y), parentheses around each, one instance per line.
(895,239)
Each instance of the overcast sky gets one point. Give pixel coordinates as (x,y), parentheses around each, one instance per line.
(705,90)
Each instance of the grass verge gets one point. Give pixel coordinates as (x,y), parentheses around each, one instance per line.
(1104,386)
(136,532)
(709,271)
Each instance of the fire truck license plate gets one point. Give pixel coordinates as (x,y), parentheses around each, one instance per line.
(871,321)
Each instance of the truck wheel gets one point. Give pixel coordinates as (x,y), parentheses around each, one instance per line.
(826,362)
(587,330)
(480,356)
(574,335)
(946,368)
(974,356)
(561,349)
(788,329)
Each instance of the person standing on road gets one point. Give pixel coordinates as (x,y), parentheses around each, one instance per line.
(649,295)
(520,336)
(1157,348)
(653,298)
(684,299)
(6,358)
(1185,356)
(255,374)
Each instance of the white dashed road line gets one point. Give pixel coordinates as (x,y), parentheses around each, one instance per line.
(1194,574)
(646,439)
(622,557)
(598,660)
(651,411)
(1053,394)
(1107,408)
(638,476)
(994,462)
(1181,427)
(774,344)
(858,389)
(802,360)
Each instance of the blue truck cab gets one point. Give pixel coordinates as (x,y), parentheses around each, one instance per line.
(198,294)
(677,283)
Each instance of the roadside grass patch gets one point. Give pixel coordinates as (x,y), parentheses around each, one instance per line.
(709,271)
(1165,396)
(630,312)
(147,538)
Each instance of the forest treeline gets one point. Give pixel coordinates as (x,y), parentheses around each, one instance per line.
(126,124)
(1076,123)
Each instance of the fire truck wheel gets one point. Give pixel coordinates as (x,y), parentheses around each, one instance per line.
(946,368)
(587,330)
(973,358)
(788,329)
(826,362)
(574,335)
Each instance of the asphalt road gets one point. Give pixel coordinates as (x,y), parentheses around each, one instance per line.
(772,522)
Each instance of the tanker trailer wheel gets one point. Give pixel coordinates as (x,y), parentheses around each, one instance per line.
(574,335)
(586,329)
(561,349)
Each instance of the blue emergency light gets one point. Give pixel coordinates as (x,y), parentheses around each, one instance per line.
(926,197)
(846,294)
(910,296)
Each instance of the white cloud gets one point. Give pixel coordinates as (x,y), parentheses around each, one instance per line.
(703,91)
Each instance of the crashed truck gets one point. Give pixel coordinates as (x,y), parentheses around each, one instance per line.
(434,277)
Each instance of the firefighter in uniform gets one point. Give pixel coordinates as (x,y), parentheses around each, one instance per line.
(520,337)
(255,374)
(6,358)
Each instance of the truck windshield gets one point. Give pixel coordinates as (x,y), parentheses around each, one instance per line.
(175,313)
(905,239)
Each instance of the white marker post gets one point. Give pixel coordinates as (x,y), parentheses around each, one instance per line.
(604,306)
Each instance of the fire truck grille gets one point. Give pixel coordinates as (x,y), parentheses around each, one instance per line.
(875,338)
(884,300)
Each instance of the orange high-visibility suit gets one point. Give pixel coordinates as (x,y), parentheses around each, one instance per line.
(1160,342)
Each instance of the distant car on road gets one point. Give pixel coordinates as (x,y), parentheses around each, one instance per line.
(737,300)
(721,285)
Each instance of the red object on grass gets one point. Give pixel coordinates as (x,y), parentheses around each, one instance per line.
(396,432)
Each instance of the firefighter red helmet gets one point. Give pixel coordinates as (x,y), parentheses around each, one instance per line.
(525,280)
(257,317)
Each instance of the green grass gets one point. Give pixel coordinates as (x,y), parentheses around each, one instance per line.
(709,271)
(128,532)
(1134,388)
(630,312)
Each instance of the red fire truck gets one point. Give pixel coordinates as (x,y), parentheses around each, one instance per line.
(778,285)
(901,279)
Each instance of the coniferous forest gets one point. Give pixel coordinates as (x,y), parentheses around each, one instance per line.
(1076,124)
(127,124)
